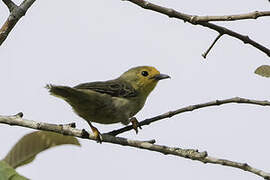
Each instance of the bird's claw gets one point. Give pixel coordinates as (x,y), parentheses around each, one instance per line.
(135,124)
(97,135)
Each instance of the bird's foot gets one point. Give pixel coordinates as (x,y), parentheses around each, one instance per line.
(97,134)
(135,124)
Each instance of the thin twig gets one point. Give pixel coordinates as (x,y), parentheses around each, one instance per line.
(192,19)
(208,50)
(191,108)
(16,12)
(235,17)
(185,153)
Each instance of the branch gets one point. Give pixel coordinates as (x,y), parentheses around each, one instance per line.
(185,153)
(191,108)
(193,20)
(11,5)
(16,12)
(212,45)
(252,15)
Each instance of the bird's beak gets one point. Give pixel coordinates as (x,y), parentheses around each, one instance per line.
(161,76)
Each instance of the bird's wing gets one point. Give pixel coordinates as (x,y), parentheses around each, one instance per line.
(114,88)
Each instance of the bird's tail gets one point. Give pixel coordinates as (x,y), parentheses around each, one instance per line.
(63,92)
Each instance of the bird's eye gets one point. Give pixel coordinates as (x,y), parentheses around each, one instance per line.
(144,73)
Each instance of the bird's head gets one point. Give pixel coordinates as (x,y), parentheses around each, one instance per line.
(143,78)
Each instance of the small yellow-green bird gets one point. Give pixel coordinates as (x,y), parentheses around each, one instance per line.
(112,101)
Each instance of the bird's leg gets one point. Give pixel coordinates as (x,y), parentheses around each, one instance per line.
(96,133)
(135,124)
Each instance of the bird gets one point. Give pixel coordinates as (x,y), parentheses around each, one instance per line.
(112,101)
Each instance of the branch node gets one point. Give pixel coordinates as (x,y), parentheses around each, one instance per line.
(38,125)
(256,14)
(171,13)
(246,40)
(145,4)
(238,99)
(20,114)
(204,154)
(170,114)
(63,129)
(245,166)
(73,125)
(17,13)
(84,134)
(229,18)
(218,102)
(190,108)
(194,19)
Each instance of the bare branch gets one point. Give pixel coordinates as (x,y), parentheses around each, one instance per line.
(148,145)
(10,4)
(192,19)
(191,108)
(26,4)
(235,17)
(214,42)
(16,12)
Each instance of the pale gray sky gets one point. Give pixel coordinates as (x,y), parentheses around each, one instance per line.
(70,42)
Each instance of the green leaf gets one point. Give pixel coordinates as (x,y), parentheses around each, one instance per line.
(263,70)
(8,173)
(26,149)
